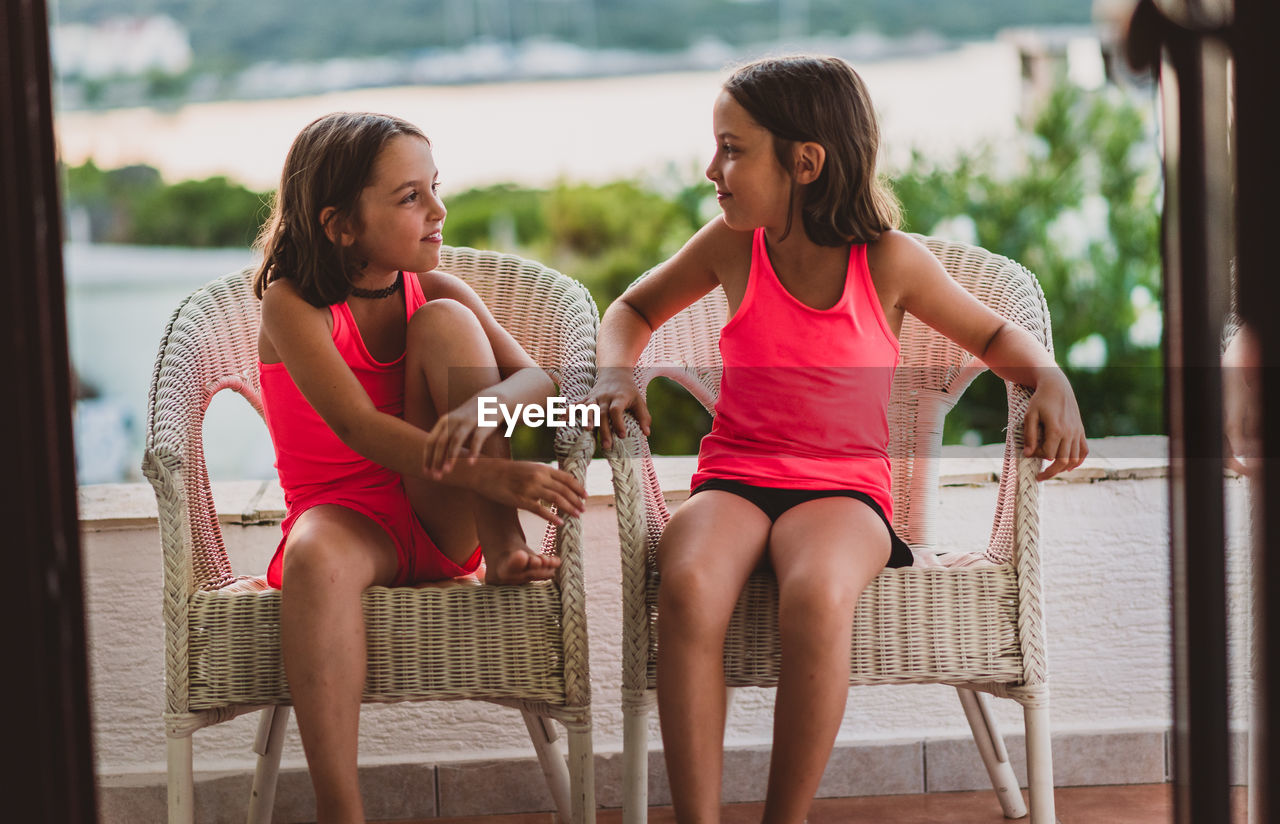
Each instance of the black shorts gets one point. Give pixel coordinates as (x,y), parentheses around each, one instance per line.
(773,501)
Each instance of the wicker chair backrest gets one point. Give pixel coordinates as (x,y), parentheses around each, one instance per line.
(211,344)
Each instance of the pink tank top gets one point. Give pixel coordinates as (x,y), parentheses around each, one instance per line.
(310,458)
(804,395)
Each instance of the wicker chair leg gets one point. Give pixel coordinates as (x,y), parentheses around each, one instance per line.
(268,744)
(994,755)
(182,806)
(635,762)
(582,775)
(1039,764)
(542,733)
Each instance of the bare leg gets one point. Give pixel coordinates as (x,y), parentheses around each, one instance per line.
(448,360)
(824,553)
(332,556)
(707,552)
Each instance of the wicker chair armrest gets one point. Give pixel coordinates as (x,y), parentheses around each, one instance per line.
(627,464)
(1020,472)
(574,447)
(638,520)
(1018,477)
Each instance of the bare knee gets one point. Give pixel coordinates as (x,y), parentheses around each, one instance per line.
(318,559)
(447,345)
(693,596)
(816,606)
(443,320)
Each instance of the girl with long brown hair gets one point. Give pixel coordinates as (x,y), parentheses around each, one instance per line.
(372,362)
(795,470)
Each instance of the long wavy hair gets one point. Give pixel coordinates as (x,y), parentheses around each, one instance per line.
(329,164)
(823,100)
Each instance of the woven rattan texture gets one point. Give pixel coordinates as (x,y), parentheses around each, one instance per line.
(235,645)
(977,625)
(900,618)
(523,645)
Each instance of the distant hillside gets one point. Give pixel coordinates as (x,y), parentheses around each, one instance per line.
(231,34)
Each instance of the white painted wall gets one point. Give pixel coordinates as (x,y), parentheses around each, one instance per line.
(1106,567)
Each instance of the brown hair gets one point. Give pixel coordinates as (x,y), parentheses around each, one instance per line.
(823,100)
(329,164)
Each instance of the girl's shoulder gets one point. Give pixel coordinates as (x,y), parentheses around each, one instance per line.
(722,250)
(286,314)
(282,297)
(896,260)
(895,248)
(706,260)
(724,241)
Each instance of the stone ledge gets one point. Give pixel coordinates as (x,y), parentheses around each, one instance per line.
(246,503)
(516,785)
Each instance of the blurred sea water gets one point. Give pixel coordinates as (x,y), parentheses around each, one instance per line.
(119,299)
(538,132)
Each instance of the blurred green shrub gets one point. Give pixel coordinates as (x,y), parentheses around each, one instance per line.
(212,212)
(1079,207)
(133,205)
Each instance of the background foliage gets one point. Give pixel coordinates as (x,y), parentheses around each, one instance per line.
(1075,201)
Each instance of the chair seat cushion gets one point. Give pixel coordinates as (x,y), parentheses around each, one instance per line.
(451,642)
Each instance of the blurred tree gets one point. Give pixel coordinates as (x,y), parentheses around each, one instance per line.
(1078,206)
(503,217)
(212,212)
(108,198)
(608,235)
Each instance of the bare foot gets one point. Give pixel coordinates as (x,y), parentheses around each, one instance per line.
(519,565)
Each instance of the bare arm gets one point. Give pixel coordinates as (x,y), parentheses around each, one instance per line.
(631,320)
(919,285)
(299,333)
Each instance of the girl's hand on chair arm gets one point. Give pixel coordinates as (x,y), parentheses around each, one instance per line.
(1052,427)
(615,393)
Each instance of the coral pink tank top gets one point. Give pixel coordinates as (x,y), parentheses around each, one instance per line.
(310,458)
(804,395)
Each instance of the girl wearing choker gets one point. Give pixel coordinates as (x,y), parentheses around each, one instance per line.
(371,364)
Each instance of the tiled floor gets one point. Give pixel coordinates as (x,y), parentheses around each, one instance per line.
(1142,804)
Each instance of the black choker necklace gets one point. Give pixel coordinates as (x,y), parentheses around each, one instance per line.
(384,292)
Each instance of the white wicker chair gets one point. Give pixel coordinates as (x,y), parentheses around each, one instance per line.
(976,624)
(521,646)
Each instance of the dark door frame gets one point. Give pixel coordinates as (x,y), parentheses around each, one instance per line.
(47,732)
(1219,198)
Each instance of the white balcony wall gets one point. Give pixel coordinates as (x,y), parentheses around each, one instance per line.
(1105,537)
